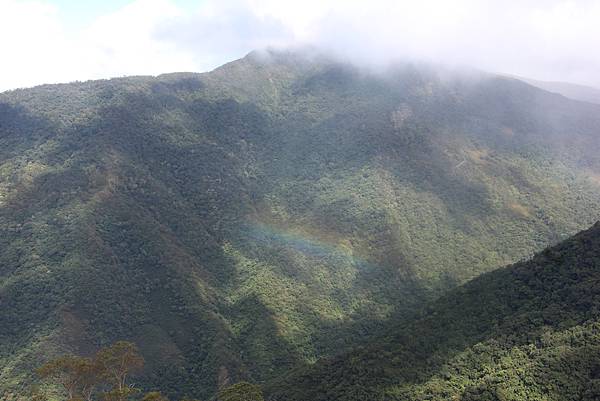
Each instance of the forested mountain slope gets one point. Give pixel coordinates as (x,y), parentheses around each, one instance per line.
(237,223)
(530,331)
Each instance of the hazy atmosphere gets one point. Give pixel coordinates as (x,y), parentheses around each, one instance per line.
(64,40)
(317,200)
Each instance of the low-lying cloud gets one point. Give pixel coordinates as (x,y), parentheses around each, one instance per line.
(543,39)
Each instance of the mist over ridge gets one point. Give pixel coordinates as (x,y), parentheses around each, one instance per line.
(544,40)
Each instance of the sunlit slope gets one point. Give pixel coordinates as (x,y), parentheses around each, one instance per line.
(273,211)
(530,331)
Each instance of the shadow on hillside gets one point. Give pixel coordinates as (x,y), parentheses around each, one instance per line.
(130,228)
(511,307)
(21,132)
(143,197)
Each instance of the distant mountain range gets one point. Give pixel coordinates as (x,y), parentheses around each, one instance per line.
(244,223)
(572,91)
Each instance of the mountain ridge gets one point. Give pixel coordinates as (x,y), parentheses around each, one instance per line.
(241,222)
(570,90)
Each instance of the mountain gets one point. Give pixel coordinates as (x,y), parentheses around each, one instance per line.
(277,210)
(530,331)
(572,91)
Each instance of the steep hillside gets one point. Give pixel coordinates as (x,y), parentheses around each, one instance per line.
(237,223)
(530,331)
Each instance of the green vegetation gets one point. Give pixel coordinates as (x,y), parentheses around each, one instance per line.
(107,376)
(241,223)
(242,391)
(104,376)
(530,331)
(154,396)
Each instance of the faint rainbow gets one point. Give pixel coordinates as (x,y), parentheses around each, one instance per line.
(276,236)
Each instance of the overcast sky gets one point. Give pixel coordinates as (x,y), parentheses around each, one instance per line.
(48,41)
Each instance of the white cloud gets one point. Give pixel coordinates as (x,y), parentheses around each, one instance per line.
(36,49)
(549,39)
(31,40)
(223,31)
(123,43)
(545,39)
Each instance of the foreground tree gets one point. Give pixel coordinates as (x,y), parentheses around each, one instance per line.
(36,395)
(242,391)
(154,396)
(83,379)
(117,363)
(109,369)
(78,376)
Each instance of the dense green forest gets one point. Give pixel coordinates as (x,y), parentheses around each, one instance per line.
(248,221)
(530,331)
